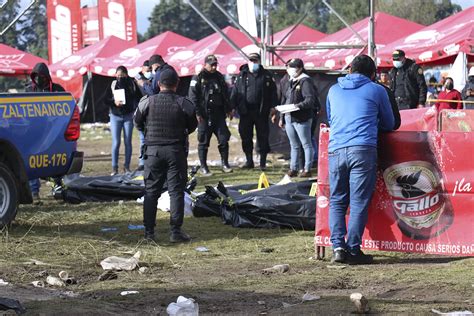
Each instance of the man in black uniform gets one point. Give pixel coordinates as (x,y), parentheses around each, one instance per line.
(208,91)
(407,82)
(166,119)
(255,97)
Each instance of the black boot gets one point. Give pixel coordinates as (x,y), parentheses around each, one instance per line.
(149,234)
(249,164)
(225,160)
(178,236)
(203,161)
(263,162)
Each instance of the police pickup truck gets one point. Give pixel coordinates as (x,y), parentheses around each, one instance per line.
(38,139)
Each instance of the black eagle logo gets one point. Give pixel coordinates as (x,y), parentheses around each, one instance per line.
(407,183)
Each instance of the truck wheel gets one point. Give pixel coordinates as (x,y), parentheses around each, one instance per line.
(8,196)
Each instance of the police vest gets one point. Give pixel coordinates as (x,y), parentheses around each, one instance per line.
(166,121)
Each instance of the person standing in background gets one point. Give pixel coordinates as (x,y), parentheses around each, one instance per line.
(144,79)
(448,95)
(254,97)
(121,115)
(468,90)
(407,82)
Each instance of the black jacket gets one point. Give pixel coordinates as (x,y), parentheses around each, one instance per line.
(132,96)
(469,86)
(393,103)
(203,91)
(165,118)
(265,82)
(50,86)
(304,95)
(415,85)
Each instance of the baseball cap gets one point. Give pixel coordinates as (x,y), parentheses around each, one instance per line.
(169,77)
(210,59)
(397,54)
(295,63)
(254,56)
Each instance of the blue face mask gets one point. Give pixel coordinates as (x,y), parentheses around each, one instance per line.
(253,67)
(148,75)
(397,64)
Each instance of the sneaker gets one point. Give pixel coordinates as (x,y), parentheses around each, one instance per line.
(205,171)
(226,168)
(305,174)
(292,173)
(339,256)
(360,258)
(114,172)
(126,170)
(179,236)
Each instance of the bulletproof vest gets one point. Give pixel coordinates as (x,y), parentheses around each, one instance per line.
(166,120)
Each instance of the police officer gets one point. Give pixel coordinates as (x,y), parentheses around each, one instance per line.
(166,119)
(407,82)
(254,96)
(208,91)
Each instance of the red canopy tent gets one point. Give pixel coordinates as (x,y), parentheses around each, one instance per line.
(388,28)
(190,60)
(14,62)
(301,35)
(165,44)
(69,71)
(440,41)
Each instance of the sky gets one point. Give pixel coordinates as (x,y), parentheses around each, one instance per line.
(144,8)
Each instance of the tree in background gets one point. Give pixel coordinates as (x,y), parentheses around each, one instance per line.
(34,30)
(176,16)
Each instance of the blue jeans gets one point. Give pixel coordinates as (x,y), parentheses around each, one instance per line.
(299,135)
(141,161)
(35,185)
(352,174)
(117,124)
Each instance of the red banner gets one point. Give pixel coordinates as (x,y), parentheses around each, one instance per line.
(424,197)
(64,28)
(118,18)
(90,25)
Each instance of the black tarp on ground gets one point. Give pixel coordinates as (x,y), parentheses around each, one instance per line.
(102,189)
(286,205)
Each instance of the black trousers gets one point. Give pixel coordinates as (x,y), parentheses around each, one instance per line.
(217,127)
(246,125)
(164,163)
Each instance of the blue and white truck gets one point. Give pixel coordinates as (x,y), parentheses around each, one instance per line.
(38,139)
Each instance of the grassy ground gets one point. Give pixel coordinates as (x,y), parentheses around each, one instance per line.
(225,280)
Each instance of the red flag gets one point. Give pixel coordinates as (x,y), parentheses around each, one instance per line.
(64,28)
(118,18)
(90,25)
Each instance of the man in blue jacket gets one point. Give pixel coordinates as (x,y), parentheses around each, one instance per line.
(357,109)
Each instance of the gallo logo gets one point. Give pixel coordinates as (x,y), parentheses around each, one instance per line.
(116,24)
(414,188)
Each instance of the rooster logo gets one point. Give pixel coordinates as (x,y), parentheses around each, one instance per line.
(407,183)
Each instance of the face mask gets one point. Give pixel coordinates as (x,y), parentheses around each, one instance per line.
(291,72)
(253,67)
(148,75)
(397,64)
(122,81)
(449,86)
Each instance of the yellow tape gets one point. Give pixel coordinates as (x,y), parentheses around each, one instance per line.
(36,99)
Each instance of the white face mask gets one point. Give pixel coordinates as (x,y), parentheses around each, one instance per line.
(148,75)
(292,72)
(397,64)
(253,67)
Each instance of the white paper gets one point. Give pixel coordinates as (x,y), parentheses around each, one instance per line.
(287,108)
(119,95)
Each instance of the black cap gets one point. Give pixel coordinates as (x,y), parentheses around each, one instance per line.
(146,63)
(295,63)
(210,59)
(169,77)
(254,56)
(397,54)
(156,59)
